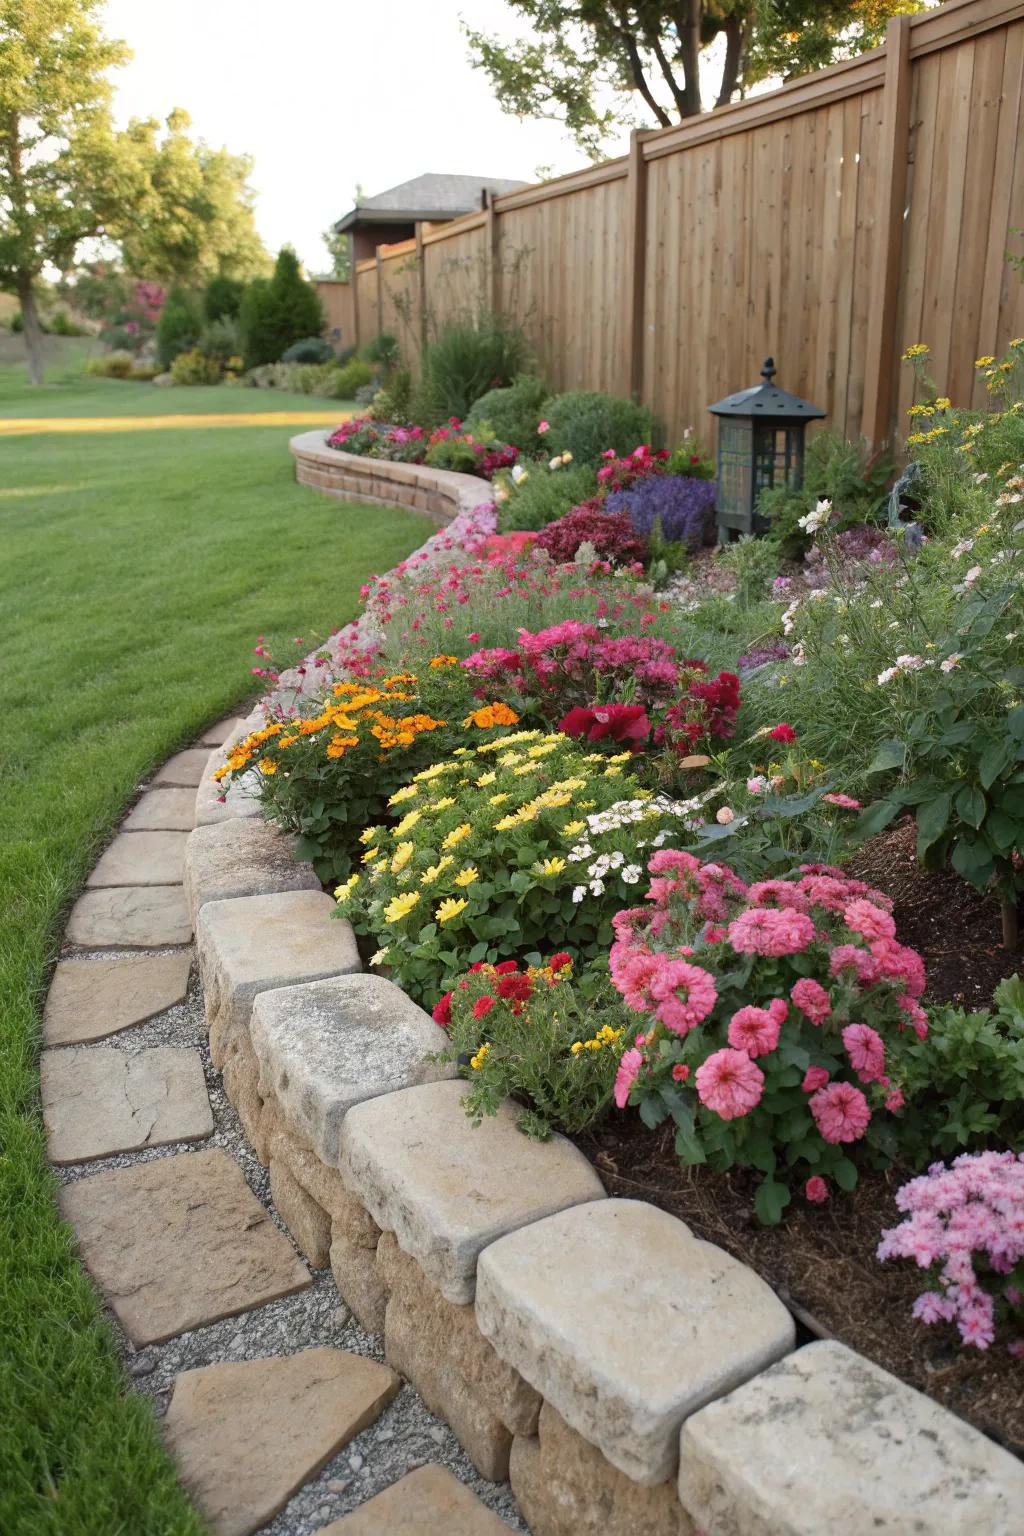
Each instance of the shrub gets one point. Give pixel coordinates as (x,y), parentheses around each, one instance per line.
(179,326)
(586,422)
(354,375)
(452,448)
(311,349)
(684,507)
(611,535)
(754,563)
(540,495)
(222,298)
(464,363)
(220,339)
(383,350)
(768,1013)
(393,403)
(513,412)
(480,864)
(533,1036)
(690,458)
(275,313)
(61,324)
(963,1225)
(115,365)
(194,367)
(850,476)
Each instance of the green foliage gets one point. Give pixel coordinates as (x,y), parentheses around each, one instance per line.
(354,375)
(555,1052)
(61,324)
(755,564)
(278,311)
(393,403)
(113,365)
(586,422)
(513,412)
(466,361)
(691,458)
(195,367)
(180,324)
(311,349)
(220,340)
(383,350)
(222,297)
(852,476)
(542,495)
(965,1080)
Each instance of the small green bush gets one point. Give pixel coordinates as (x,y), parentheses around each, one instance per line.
(514,412)
(220,339)
(222,297)
(586,423)
(311,349)
(61,324)
(195,367)
(393,403)
(355,375)
(849,475)
(179,326)
(383,350)
(114,365)
(543,495)
(275,313)
(464,363)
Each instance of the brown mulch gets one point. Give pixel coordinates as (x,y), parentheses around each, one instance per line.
(821,1258)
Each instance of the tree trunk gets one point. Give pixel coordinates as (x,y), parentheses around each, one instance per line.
(733,59)
(1011,927)
(32,330)
(689,53)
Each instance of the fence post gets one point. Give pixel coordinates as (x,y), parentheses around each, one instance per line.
(380,290)
(633,285)
(421,290)
(880,359)
(493,232)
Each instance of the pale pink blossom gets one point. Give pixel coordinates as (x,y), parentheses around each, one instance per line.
(730,1084)
(866,1051)
(629,1066)
(812,1000)
(840,1112)
(816,1190)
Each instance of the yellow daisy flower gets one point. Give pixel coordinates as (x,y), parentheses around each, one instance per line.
(550,867)
(407,793)
(467,876)
(400,906)
(457,836)
(450,908)
(403,853)
(430,875)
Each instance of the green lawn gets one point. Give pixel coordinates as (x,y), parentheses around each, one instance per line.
(136,570)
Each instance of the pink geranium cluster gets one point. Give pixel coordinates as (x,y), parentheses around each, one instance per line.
(785,1001)
(966,1224)
(618,474)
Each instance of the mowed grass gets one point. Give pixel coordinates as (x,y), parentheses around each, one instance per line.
(135,572)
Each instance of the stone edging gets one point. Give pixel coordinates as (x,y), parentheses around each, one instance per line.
(440,493)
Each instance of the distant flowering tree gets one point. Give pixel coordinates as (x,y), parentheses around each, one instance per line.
(770,1013)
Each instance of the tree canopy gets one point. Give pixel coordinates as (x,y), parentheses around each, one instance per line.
(598,64)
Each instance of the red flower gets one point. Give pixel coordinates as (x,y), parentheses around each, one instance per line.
(816,1190)
(622,722)
(560,961)
(782,732)
(442,1011)
(506,967)
(483,1006)
(517,988)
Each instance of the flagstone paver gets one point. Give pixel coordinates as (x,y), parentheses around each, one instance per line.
(247,1435)
(89,999)
(98,1101)
(179,1242)
(427,1502)
(217,735)
(142,858)
(163,810)
(130,917)
(184,768)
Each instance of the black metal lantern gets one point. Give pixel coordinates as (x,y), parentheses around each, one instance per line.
(760,444)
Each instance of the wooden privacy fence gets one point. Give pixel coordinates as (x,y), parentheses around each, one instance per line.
(831,223)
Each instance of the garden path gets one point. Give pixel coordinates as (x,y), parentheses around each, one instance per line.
(275,1403)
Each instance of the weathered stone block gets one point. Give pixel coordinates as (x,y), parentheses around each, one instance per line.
(225,800)
(253,944)
(141,858)
(241,1079)
(184,768)
(328,1045)
(215,735)
(439,1333)
(325,1185)
(625,1374)
(828,1441)
(242,857)
(248,1434)
(427,1502)
(308,1223)
(445,1209)
(564,1487)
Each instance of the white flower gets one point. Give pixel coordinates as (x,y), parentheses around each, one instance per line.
(961,548)
(519,474)
(631,874)
(788,624)
(980,479)
(556,462)
(578,892)
(911,663)
(972,576)
(597,887)
(1012,635)
(876,604)
(380,956)
(887,676)
(816,519)
(951,661)
(799,656)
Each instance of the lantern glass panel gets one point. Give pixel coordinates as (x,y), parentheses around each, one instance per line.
(735,499)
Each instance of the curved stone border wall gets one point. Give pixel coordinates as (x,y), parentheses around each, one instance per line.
(439,493)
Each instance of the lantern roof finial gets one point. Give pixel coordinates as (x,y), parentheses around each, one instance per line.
(766,399)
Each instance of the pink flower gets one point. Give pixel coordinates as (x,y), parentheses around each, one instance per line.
(845,802)
(811,999)
(730,1084)
(753,1030)
(625,1077)
(814,1078)
(685,994)
(680,1072)
(894,1100)
(840,1112)
(542,427)
(816,1190)
(865,1050)
(767,931)
(868,920)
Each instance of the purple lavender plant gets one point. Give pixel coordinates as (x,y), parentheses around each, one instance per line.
(759,655)
(684,506)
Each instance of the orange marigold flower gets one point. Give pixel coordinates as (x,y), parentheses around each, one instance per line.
(492,714)
(444,661)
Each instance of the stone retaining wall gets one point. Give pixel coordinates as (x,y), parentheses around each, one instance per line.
(439,493)
(627,1377)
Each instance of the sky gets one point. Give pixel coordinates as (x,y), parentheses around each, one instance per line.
(325,94)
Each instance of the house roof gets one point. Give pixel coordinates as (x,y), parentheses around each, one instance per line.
(426,198)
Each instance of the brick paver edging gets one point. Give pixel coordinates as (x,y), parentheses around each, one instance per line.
(439,493)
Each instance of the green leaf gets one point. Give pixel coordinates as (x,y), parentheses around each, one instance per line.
(974,861)
(875,819)
(770,1202)
(994,760)
(932,820)
(971,805)
(652,1111)
(888,754)
(845,1173)
(1015,723)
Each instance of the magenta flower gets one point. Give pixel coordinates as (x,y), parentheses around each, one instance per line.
(770,931)
(730,1084)
(754,1030)
(814,1078)
(866,1051)
(812,1000)
(685,994)
(868,920)
(840,1112)
(816,1190)
(626,1076)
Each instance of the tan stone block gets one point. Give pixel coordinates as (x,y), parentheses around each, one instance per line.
(564,1487)
(441,1332)
(324,1185)
(308,1223)
(427,1502)
(185,768)
(240,1075)
(247,1435)
(163,810)
(480,1432)
(98,1101)
(354,1267)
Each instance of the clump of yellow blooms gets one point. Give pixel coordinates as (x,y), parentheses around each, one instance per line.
(605,1036)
